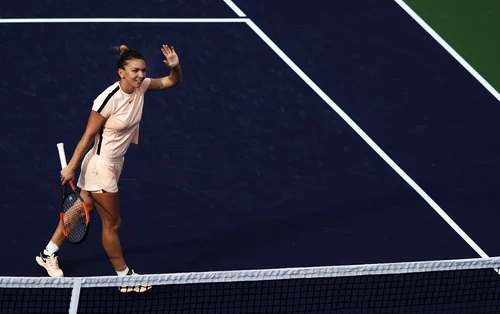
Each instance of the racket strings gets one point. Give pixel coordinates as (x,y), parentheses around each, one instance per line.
(74,219)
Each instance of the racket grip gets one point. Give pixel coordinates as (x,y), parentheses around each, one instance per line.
(62,155)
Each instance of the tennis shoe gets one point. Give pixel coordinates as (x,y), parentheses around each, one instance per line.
(50,263)
(138,289)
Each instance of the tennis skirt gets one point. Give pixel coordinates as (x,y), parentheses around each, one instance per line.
(100,174)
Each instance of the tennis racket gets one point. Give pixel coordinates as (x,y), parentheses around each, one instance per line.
(74,216)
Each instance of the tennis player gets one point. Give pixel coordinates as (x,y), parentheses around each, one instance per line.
(112,126)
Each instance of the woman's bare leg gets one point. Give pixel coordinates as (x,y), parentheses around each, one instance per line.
(108,207)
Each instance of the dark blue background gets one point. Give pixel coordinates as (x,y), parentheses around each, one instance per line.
(243,166)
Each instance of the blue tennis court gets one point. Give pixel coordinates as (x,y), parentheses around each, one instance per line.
(246,164)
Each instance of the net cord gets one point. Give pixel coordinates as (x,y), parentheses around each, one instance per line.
(252,275)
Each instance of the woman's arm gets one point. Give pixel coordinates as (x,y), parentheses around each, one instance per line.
(94,124)
(175,76)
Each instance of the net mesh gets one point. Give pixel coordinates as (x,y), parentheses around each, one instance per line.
(454,286)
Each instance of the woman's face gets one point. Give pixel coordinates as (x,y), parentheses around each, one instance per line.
(134,73)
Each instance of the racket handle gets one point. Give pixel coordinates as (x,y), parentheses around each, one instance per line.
(62,155)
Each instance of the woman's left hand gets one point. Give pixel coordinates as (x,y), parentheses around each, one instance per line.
(171,58)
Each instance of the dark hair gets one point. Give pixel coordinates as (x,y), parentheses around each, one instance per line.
(125,55)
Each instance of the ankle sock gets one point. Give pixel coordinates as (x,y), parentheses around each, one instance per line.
(50,249)
(123,272)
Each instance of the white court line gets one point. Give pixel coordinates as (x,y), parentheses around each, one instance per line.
(364,136)
(122,20)
(235,8)
(448,48)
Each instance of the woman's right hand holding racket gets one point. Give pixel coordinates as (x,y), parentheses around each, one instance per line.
(67,174)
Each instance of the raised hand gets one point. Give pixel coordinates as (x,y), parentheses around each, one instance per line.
(171,58)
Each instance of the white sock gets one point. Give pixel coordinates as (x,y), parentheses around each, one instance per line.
(122,272)
(51,248)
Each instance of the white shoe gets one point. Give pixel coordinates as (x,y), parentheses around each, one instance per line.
(50,264)
(138,289)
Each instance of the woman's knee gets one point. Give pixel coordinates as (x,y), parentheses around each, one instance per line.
(111,224)
(108,207)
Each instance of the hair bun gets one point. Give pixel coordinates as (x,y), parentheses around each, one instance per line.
(122,49)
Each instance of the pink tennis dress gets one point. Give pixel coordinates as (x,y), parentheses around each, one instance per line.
(103,164)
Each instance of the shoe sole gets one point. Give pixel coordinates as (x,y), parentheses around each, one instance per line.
(139,289)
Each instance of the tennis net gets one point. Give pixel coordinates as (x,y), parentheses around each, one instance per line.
(446,286)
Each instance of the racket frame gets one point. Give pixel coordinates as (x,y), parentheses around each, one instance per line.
(73,190)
